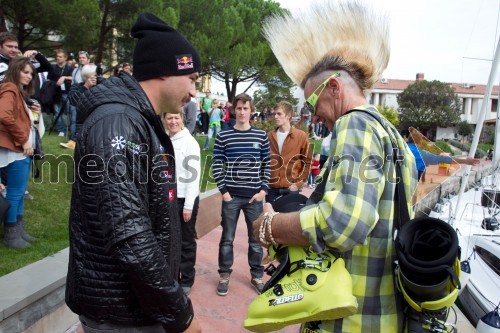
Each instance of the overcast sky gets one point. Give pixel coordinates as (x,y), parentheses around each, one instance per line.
(436,37)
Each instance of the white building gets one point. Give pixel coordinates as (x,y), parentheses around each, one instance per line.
(386,90)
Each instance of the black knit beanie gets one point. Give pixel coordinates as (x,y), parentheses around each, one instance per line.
(161,50)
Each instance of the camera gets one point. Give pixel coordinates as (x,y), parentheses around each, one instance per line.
(36,116)
(31,101)
(99,71)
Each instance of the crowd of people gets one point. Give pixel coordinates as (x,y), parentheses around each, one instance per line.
(30,84)
(132,233)
(214,115)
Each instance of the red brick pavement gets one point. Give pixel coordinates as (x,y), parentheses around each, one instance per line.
(225,313)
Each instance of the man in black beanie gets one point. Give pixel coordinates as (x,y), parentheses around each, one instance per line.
(125,234)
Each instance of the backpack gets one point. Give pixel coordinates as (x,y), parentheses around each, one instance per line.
(49,93)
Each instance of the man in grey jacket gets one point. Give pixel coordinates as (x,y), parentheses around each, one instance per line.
(190,115)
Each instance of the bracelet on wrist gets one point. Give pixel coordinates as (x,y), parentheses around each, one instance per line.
(269,227)
(266,226)
(262,230)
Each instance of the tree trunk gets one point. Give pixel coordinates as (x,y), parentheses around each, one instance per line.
(231,96)
(102,32)
(3,26)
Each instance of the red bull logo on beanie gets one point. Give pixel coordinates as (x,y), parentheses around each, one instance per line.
(184,61)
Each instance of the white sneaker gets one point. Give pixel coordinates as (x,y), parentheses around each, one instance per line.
(61,134)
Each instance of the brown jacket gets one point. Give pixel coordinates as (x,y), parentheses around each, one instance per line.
(294,162)
(15,123)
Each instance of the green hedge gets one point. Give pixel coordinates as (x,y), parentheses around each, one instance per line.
(485,146)
(445,147)
(466,147)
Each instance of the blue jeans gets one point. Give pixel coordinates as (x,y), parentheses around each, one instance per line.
(17,183)
(72,124)
(212,131)
(90,326)
(316,129)
(311,179)
(58,108)
(230,213)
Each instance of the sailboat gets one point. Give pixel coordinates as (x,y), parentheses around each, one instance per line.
(479,237)
(475,215)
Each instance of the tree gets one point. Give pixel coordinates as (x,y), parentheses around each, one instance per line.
(227,33)
(116,20)
(488,134)
(100,27)
(228,37)
(429,104)
(276,86)
(43,24)
(464,128)
(389,113)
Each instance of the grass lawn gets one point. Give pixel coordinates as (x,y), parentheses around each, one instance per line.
(207,181)
(47,214)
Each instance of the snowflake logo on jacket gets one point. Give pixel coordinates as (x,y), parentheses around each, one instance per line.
(118,142)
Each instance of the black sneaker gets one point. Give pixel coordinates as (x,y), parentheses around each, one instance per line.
(223,286)
(258,284)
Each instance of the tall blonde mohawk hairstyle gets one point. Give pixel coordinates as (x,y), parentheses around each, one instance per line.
(346,35)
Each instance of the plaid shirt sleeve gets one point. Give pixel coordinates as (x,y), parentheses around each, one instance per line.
(349,209)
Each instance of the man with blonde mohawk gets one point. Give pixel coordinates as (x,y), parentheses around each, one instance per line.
(336,68)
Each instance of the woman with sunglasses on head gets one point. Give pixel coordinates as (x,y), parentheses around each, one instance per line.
(17,140)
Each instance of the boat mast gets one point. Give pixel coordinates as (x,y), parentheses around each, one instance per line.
(496,142)
(479,127)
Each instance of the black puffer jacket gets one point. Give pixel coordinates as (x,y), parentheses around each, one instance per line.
(125,235)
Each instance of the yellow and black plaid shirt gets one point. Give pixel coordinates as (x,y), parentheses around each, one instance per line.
(355,217)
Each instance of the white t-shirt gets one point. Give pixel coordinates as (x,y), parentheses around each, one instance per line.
(325,145)
(281,138)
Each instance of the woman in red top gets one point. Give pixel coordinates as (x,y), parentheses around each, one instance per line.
(314,171)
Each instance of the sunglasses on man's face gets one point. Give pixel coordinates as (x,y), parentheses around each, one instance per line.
(312,100)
